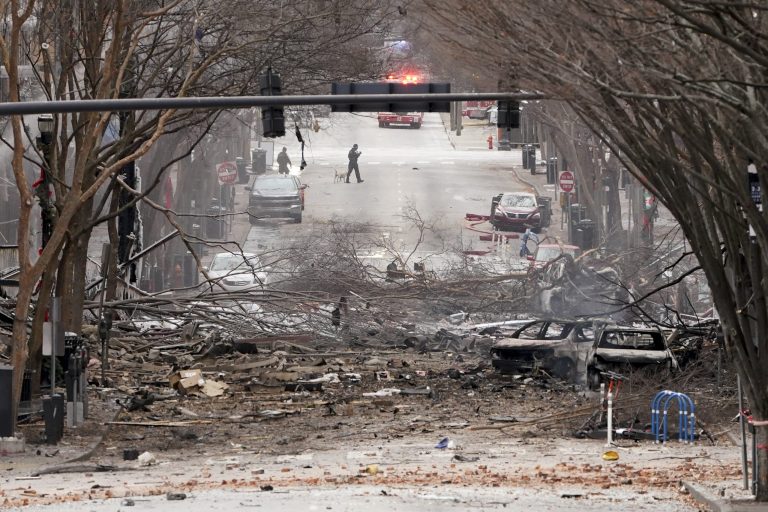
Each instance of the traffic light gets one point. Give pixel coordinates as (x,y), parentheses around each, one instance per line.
(272,118)
(508,115)
(410,87)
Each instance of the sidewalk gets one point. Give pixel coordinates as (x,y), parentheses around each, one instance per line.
(473,137)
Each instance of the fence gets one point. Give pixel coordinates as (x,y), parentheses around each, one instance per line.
(9,257)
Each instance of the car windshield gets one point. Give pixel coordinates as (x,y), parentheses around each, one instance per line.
(275,183)
(632,340)
(231,262)
(518,200)
(547,253)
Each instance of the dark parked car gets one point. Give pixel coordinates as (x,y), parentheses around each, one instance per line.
(560,348)
(518,211)
(276,196)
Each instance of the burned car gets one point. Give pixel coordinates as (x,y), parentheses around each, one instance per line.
(559,348)
(625,350)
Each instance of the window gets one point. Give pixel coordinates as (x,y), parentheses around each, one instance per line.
(223,263)
(632,340)
(584,333)
(529,332)
(556,331)
(276,183)
(519,200)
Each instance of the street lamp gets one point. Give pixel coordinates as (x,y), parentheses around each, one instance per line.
(43,185)
(45,125)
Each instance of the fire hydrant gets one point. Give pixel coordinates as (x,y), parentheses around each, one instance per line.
(490,142)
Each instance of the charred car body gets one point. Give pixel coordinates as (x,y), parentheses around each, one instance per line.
(583,352)
(624,350)
(560,348)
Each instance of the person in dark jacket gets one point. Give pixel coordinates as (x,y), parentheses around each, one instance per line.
(353,155)
(283,161)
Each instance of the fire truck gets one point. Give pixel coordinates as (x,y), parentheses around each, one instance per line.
(476,109)
(412,119)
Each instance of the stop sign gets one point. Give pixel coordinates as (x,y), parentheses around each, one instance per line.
(227,172)
(566,181)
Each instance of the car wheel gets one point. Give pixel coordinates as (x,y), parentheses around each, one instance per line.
(381,124)
(297,219)
(565,369)
(593,379)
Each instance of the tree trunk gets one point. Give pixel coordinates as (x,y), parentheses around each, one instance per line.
(19,338)
(72,271)
(761,439)
(35,362)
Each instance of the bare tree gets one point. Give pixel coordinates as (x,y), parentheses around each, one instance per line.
(677,89)
(140,48)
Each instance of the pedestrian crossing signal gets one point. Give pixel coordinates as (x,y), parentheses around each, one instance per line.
(508,115)
(272,118)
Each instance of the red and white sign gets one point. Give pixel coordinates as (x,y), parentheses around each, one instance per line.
(227,172)
(567,181)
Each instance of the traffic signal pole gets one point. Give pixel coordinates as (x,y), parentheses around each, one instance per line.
(227,102)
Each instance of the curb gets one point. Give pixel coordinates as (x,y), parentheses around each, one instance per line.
(706,499)
(447,132)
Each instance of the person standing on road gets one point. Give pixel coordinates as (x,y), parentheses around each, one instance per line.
(353,155)
(283,161)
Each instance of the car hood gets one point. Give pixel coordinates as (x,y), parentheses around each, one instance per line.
(632,356)
(246,274)
(518,209)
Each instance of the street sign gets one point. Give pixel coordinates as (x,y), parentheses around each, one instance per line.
(566,181)
(227,172)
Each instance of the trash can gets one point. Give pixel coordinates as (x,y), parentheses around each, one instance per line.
(242,174)
(532,159)
(6,401)
(576,214)
(587,234)
(552,170)
(190,270)
(546,210)
(259,161)
(157,278)
(214,226)
(53,414)
(526,165)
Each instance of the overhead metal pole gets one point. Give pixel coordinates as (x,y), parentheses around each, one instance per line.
(225,102)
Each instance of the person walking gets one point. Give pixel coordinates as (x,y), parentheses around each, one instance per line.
(283,161)
(353,155)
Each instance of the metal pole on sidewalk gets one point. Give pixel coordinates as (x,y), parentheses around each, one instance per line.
(742,424)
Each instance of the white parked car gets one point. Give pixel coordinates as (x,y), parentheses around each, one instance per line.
(237,272)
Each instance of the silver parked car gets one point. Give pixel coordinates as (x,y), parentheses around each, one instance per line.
(237,272)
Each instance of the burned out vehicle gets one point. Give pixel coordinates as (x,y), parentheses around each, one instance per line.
(625,350)
(559,348)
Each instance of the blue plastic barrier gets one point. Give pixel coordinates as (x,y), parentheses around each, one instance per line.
(686,416)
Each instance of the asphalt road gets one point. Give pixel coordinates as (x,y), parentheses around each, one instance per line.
(406,171)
